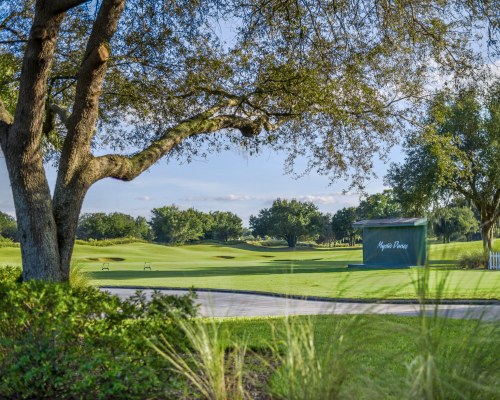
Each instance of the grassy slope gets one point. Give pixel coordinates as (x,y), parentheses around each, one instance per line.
(320,272)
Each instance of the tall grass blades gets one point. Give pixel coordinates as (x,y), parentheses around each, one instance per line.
(468,368)
(78,279)
(304,370)
(215,372)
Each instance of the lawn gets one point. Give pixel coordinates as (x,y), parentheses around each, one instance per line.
(314,272)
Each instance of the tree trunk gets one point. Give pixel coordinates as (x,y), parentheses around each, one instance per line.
(487,234)
(35,219)
(488,214)
(291,240)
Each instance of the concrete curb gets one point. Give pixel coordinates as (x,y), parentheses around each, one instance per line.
(318,298)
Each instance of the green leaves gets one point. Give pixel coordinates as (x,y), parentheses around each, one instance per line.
(62,342)
(455,152)
(171,225)
(288,219)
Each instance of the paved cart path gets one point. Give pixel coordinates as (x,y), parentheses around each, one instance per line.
(223,304)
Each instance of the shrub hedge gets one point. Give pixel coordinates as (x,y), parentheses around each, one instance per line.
(62,342)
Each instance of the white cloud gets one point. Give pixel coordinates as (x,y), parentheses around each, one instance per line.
(325,199)
(143,198)
(236,197)
(222,198)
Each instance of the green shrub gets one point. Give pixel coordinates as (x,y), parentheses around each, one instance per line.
(77,277)
(471,260)
(6,242)
(62,342)
(110,242)
(11,274)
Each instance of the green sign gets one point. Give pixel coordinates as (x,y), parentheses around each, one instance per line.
(394,242)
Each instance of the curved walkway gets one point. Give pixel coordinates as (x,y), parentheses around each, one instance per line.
(228,304)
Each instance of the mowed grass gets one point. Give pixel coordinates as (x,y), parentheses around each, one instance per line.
(311,272)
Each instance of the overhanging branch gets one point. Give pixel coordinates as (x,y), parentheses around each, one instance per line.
(60,6)
(129,167)
(60,112)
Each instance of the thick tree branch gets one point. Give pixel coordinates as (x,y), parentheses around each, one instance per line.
(30,109)
(62,113)
(81,123)
(61,6)
(127,168)
(50,128)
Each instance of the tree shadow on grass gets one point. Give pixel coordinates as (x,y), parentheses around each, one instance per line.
(263,249)
(443,264)
(272,267)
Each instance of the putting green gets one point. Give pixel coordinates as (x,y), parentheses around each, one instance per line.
(313,272)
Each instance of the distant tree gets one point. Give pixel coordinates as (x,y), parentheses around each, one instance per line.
(225,225)
(92,226)
(326,232)
(8,226)
(120,225)
(342,225)
(142,229)
(109,226)
(457,152)
(247,234)
(172,225)
(451,223)
(379,205)
(290,220)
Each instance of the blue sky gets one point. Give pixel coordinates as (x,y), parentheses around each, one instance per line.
(225,181)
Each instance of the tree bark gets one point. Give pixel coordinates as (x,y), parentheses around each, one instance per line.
(487,235)
(291,240)
(21,146)
(36,224)
(66,210)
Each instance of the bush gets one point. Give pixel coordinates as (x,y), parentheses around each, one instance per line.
(7,242)
(62,342)
(10,274)
(471,260)
(109,242)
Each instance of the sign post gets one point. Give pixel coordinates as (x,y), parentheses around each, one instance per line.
(393,242)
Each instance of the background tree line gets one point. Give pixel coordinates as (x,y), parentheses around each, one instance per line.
(289,220)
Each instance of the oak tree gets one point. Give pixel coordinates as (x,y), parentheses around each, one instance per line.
(457,152)
(175,226)
(146,79)
(225,225)
(342,222)
(290,220)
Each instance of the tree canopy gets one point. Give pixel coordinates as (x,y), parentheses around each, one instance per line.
(175,226)
(114,225)
(224,225)
(290,220)
(326,80)
(451,223)
(379,205)
(8,226)
(457,152)
(342,222)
